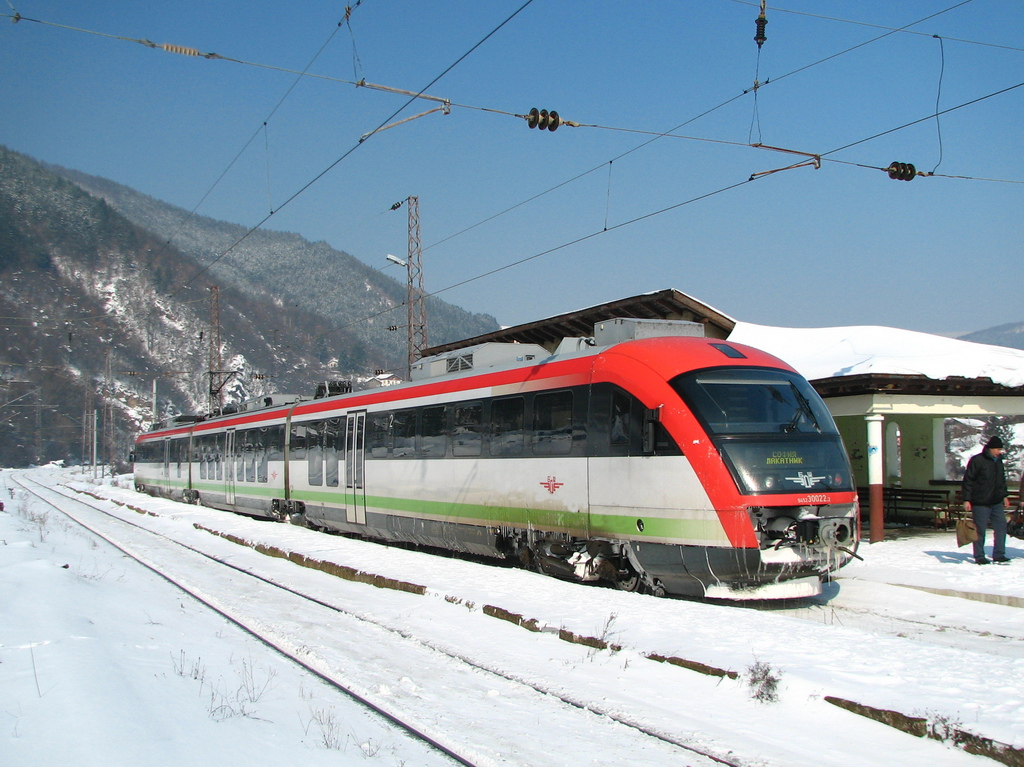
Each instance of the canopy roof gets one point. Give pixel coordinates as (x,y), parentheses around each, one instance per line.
(661,305)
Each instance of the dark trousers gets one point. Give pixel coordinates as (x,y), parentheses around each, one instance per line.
(994,517)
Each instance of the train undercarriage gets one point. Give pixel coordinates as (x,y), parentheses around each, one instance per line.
(798,546)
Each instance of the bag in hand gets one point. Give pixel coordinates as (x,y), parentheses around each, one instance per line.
(966,532)
(1015,525)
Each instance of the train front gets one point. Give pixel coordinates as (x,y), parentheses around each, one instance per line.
(775,472)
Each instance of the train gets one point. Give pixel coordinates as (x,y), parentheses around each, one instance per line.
(645,457)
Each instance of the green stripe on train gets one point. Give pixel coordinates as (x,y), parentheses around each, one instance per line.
(662,529)
(582,524)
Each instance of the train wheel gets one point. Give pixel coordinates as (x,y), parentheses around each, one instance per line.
(629,579)
(527,560)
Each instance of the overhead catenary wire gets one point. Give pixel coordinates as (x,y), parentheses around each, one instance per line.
(760,38)
(656,136)
(977,100)
(447,104)
(299,75)
(334,164)
(548,251)
(904,30)
(816,159)
(938,97)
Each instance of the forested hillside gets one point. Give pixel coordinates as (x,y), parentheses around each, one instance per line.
(94,310)
(287,268)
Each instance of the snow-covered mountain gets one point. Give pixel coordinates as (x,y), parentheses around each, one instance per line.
(1010,334)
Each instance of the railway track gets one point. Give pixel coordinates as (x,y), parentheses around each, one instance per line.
(389,652)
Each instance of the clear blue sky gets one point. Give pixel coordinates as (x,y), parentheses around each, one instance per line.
(839,245)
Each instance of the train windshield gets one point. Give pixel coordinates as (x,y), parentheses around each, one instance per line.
(771,427)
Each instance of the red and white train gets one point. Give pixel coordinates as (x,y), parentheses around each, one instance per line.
(645,457)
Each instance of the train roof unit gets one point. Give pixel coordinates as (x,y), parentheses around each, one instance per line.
(619,329)
(480,357)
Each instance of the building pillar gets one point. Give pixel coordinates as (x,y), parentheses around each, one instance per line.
(938,448)
(876,477)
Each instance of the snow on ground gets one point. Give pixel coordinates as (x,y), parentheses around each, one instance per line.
(101,663)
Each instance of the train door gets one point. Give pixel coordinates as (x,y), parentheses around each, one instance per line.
(355,493)
(229,466)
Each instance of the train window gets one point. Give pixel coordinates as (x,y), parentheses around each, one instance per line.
(467,436)
(314,453)
(218,456)
(181,453)
(377,431)
(210,450)
(434,431)
(619,429)
(754,401)
(274,443)
(664,444)
(552,423)
(262,454)
(507,426)
(201,456)
(240,456)
(297,444)
(249,454)
(332,450)
(403,433)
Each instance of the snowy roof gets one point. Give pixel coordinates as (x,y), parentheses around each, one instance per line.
(815,352)
(844,351)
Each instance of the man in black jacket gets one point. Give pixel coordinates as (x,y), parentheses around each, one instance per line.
(986,499)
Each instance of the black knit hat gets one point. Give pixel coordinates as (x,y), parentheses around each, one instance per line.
(994,442)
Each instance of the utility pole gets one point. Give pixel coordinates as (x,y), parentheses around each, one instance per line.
(417,296)
(218,377)
(165,374)
(415,300)
(215,362)
(108,417)
(39,426)
(86,417)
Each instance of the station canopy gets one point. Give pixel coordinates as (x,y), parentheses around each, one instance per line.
(661,305)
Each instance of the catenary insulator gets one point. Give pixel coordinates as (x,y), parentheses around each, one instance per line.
(543,119)
(762,22)
(902,171)
(172,48)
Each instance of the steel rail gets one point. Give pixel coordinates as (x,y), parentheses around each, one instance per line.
(239,622)
(617,717)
